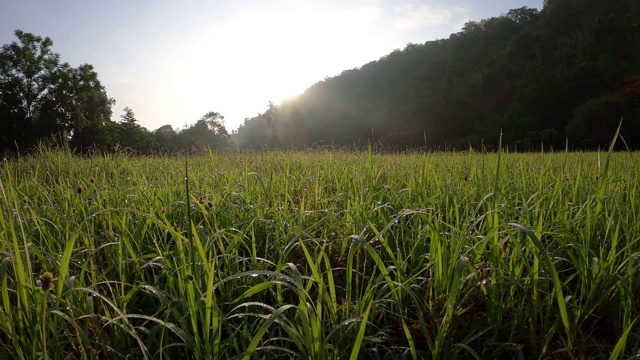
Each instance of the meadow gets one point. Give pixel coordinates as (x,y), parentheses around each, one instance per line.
(320,255)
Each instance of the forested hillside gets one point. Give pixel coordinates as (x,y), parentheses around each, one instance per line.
(568,71)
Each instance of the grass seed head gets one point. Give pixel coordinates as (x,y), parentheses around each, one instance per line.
(46,281)
(80,189)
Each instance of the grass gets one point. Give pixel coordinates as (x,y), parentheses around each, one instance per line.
(320,255)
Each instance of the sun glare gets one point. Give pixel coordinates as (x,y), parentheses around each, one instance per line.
(268,56)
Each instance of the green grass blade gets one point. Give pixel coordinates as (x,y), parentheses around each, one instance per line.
(562,306)
(361,331)
(621,344)
(64,263)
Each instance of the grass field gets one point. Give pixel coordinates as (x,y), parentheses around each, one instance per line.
(320,255)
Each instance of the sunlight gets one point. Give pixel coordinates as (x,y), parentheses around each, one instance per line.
(269,56)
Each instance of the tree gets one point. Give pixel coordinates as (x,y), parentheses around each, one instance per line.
(129,133)
(267,129)
(523,14)
(254,133)
(28,70)
(164,139)
(596,121)
(88,116)
(271,117)
(207,132)
(42,98)
(128,117)
(215,124)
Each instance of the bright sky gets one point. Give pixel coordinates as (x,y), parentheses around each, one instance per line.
(173,61)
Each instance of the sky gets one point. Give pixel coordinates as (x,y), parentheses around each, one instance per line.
(173,61)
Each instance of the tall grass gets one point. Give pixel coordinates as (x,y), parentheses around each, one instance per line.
(320,255)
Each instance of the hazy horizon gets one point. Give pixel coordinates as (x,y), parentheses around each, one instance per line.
(171,63)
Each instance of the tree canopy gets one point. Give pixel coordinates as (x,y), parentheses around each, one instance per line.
(42,98)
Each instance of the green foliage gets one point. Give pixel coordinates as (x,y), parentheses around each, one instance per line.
(261,131)
(163,139)
(600,116)
(129,134)
(44,99)
(320,255)
(207,132)
(254,133)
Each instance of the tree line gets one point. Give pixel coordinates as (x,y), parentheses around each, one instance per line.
(46,101)
(569,71)
(538,77)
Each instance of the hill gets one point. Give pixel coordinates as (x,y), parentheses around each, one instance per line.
(570,70)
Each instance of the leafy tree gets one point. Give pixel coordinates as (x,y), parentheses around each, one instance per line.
(264,130)
(271,118)
(28,72)
(42,98)
(215,124)
(129,133)
(88,114)
(596,120)
(207,132)
(254,133)
(164,139)
(128,117)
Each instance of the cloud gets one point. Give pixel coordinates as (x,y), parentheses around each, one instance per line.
(412,16)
